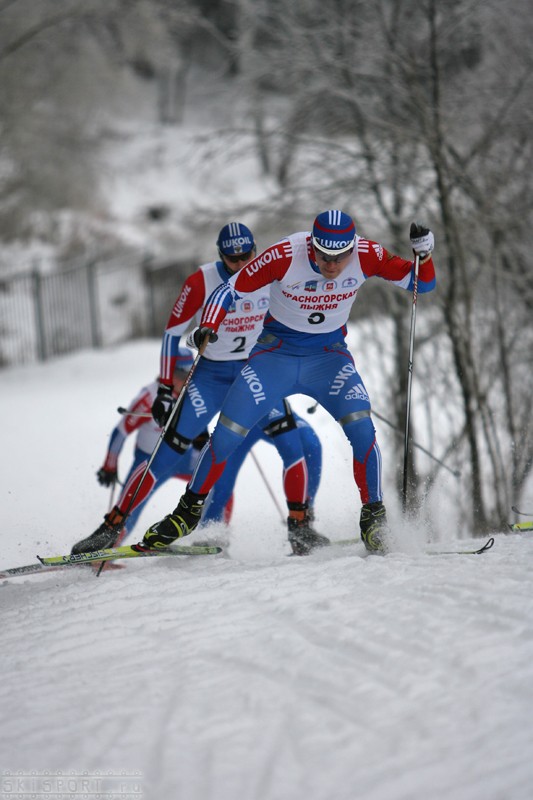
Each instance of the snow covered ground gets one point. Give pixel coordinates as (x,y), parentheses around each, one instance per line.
(250,675)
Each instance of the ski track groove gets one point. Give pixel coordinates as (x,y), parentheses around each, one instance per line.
(220,678)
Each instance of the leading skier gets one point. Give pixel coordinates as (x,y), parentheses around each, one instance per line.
(314,278)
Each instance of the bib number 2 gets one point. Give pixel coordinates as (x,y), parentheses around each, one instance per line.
(241,344)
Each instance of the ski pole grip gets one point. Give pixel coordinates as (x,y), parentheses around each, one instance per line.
(122,410)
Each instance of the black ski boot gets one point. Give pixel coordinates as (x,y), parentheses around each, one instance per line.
(181,522)
(302,538)
(106,535)
(374,526)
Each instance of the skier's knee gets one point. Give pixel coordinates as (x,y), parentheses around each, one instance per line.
(360,432)
(227,436)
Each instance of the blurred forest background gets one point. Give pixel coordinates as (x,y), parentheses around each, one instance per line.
(134,129)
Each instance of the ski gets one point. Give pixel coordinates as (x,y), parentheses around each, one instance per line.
(55,563)
(28,569)
(474,552)
(39,569)
(516,527)
(128,551)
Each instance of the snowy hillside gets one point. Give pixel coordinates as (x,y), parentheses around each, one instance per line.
(249,675)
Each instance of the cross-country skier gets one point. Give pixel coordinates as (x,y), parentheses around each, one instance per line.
(213,376)
(314,278)
(138,419)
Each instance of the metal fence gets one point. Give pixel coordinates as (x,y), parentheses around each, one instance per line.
(93,304)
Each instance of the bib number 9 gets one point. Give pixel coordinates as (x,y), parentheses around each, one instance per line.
(316,318)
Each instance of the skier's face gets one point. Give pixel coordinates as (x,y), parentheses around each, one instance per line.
(331,266)
(237,262)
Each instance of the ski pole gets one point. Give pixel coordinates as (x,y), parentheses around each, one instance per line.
(166,426)
(111,503)
(122,410)
(522,513)
(268,486)
(410,383)
(455,472)
(112,496)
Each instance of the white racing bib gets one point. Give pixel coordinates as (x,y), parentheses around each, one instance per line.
(242,324)
(306,301)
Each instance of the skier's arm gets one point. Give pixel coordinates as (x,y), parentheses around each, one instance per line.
(190,300)
(375,260)
(269,266)
(130,422)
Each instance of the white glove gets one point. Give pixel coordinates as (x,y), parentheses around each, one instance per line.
(422,240)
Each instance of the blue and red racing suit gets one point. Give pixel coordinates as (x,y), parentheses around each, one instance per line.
(302,349)
(213,376)
(220,503)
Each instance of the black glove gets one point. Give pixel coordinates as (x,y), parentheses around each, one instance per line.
(200,440)
(163,405)
(197,335)
(107,477)
(422,240)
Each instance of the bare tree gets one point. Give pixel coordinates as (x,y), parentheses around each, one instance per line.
(398,110)
(68,73)
(394,111)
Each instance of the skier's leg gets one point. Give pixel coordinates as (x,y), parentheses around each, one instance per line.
(344,395)
(253,393)
(281,429)
(115,521)
(312,448)
(220,497)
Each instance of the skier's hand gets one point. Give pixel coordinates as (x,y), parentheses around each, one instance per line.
(106,476)
(422,240)
(201,440)
(163,405)
(197,335)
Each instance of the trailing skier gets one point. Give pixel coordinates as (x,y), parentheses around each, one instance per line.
(214,374)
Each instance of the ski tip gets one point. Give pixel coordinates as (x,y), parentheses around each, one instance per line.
(518,527)
(487,546)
